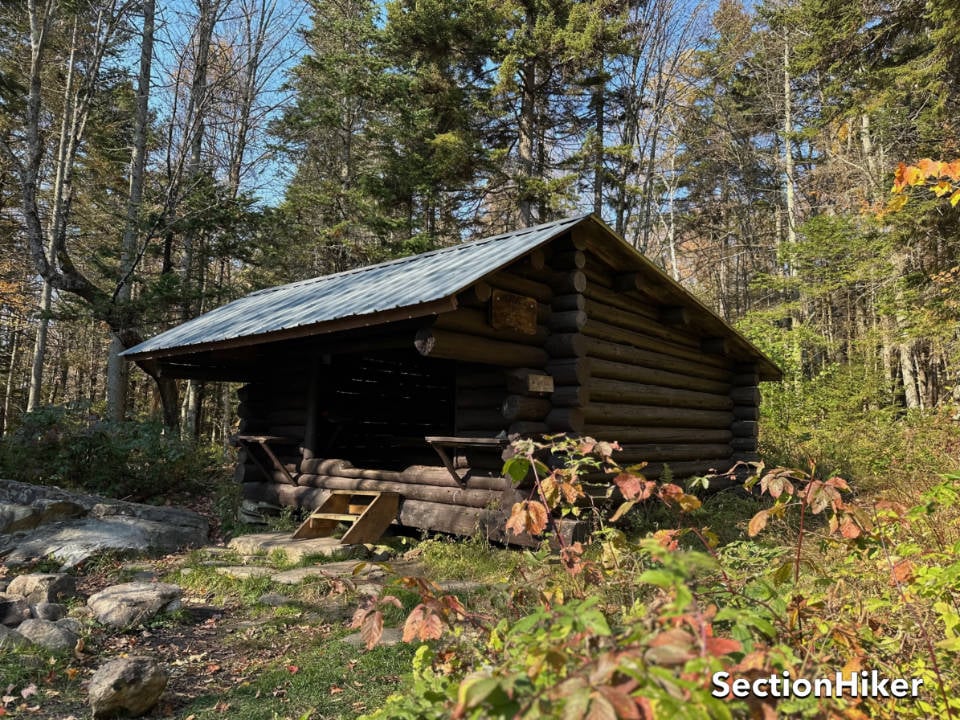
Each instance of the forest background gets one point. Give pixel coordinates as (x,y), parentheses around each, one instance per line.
(160,160)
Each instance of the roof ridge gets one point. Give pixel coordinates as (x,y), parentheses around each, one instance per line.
(429,253)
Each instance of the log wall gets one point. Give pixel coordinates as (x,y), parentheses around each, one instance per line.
(588,351)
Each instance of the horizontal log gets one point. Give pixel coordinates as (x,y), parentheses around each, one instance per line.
(475,322)
(746,412)
(570,396)
(480,378)
(527,427)
(617,414)
(743,444)
(471,419)
(488,398)
(566,345)
(323,466)
(567,321)
(505,280)
(308,498)
(529,381)
(447,345)
(740,379)
(536,259)
(748,395)
(570,371)
(434,475)
(597,273)
(430,493)
(489,524)
(565,303)
(663,452)
(651,376)
(632,321)
(674,315)
(618,391)
(745,428)
(635,434)
(476,295)
(570,260)
(630,302)
(644,341)
(520,407)
(566,420)
(656,356)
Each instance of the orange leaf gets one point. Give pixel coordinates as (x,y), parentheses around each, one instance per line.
(634,487)
(902,571)
(952,170)
(942,188)
(899,177)
(758,522)
(621,701)
(930,168)
(528,516)
(914,175)
(372,629)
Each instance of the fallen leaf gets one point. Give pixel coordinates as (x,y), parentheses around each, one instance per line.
(293,669)
(29,690)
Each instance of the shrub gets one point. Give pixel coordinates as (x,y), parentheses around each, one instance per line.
(72,448)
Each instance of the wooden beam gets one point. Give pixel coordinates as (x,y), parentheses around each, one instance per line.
(448,345)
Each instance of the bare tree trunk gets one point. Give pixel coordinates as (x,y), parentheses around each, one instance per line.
(11,371)
(118,371)
(789,189)
(908,373)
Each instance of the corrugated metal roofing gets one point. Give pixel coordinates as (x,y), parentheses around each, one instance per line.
(406,282)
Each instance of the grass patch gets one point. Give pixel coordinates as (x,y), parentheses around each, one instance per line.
(330,680)
(473,559)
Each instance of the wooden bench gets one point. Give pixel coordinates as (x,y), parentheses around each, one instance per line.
(441,443)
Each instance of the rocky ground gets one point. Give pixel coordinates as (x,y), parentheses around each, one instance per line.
(92,629)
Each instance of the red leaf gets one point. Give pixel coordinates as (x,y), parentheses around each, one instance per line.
(293,669)
(622,703)
(422,624)
(722,646)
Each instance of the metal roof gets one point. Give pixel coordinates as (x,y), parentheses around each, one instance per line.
(404,283)
(411,287)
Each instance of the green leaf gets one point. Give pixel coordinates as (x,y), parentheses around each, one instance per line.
(516,468)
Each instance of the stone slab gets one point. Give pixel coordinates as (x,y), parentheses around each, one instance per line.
(295,550)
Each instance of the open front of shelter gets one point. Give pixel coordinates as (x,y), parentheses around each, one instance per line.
(405,378)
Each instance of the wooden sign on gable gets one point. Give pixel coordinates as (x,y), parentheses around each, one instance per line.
(513,312)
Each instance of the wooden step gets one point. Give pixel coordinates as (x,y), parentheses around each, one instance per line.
(366,526)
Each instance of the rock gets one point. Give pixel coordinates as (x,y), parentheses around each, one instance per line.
(48,634)
(15,516)
(44,587)
(14,609)
(273,599)
(11,638)
(126,686)
(71,624)
(48,611)
(295,550)
(121,606)
(390,636)
(87,525)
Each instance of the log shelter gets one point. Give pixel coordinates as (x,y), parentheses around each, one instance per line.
(406,377)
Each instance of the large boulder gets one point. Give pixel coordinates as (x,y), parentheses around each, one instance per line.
(11,638)
(126,686)
(14,609)
(127,604)
(44,587)
(72,527)
(47,634)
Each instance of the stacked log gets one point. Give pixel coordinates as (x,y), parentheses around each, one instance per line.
(645,380)
(745,396)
